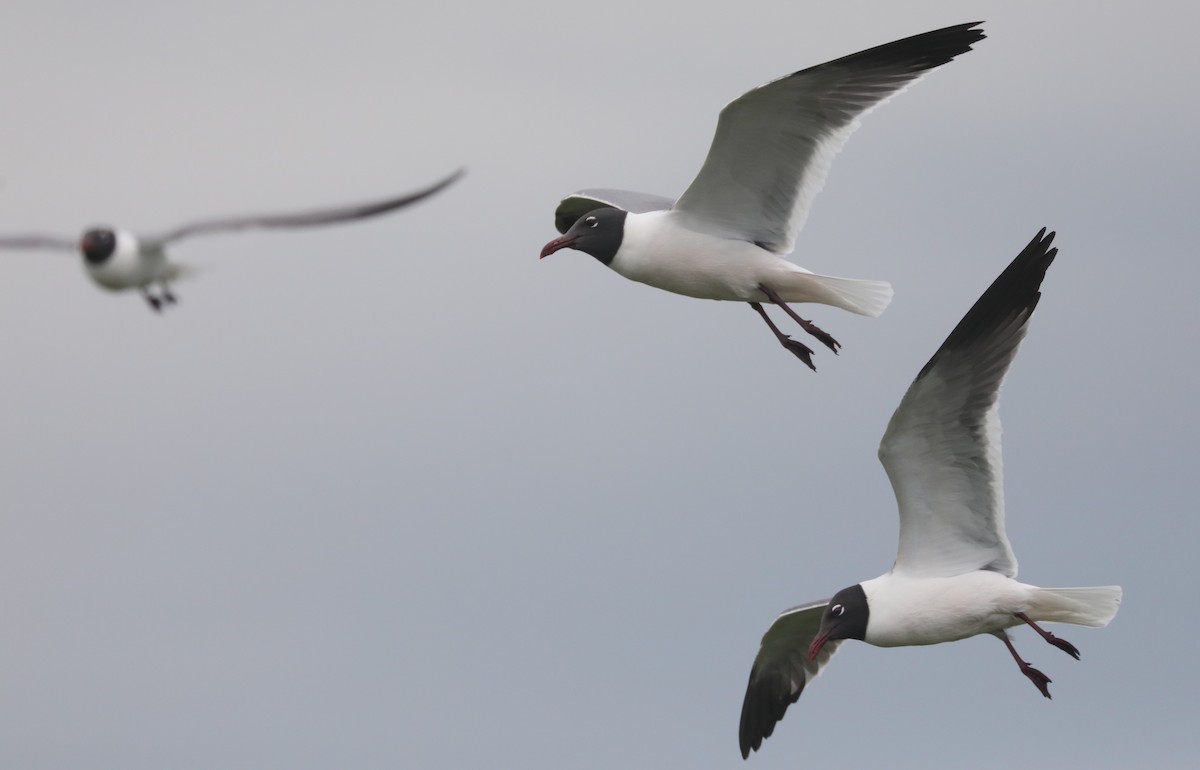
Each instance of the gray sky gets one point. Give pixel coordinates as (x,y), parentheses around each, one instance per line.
(402,495)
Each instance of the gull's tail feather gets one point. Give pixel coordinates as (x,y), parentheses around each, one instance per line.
(863,297)
(1094,606)
(178,271)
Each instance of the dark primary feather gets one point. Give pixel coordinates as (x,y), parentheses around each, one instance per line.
(780,672)
(913,54)
(302,219)
(1010,299)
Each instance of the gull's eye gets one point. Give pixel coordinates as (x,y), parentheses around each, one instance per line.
(837,610)
(591,222)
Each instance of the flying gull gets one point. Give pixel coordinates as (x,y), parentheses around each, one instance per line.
(725,237)
(954,575)
(117,259)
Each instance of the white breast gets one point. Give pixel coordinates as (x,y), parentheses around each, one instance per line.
(913,611)
(658,250)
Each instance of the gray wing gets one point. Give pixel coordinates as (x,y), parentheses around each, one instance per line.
(577,204)
(314,218)
(774,145)
(941,449)
(780,672)
(44,242)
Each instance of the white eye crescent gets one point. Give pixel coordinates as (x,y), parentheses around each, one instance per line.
(837,610)
(591,222)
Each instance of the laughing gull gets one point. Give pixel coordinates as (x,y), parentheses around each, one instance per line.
(954,575)
(725,236)
(117,259)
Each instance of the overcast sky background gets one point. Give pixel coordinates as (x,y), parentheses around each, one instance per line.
(402,495)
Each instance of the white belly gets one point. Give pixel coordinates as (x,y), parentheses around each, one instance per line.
(657,251)
(131,270)
(914,611)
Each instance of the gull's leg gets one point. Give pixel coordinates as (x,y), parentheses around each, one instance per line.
(799,349)
(167,296)
(1061,644)
(153,301)
(808,326)
(1039,679)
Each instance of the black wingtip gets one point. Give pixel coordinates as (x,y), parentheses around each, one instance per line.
(942,45)
(919,53)
(408,199)
(1012,296)
(751,730)
(453,177)
(766,701)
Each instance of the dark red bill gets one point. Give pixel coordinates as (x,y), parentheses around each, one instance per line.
(564,242)
(814,649)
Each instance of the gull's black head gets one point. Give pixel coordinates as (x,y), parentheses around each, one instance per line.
(97,245)
(845,618)
(598,233)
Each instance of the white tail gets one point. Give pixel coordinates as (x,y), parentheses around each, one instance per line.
(177,271)
(1094,606)
(857,296)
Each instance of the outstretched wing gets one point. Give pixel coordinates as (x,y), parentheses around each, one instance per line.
(941,449)
(780,671)
(41,242)
(774,145)
(315,218)
(577,204)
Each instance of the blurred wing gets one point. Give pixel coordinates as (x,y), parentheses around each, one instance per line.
(43,242)
(577,204)
(780,672)
(774,145)
(941,449)
(304,219)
